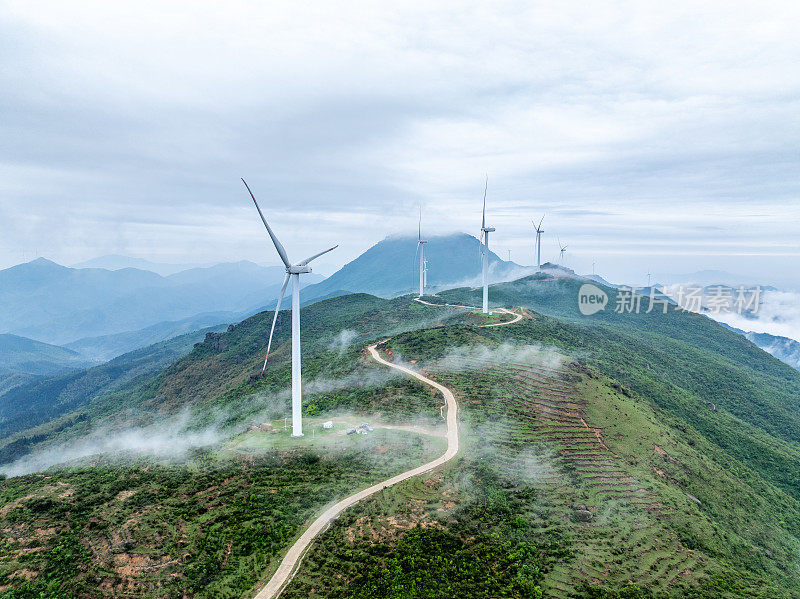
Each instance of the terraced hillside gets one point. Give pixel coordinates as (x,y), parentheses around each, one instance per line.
(597,487)
(616,517)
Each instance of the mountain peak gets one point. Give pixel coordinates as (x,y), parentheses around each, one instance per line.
(45,262)
(391,266)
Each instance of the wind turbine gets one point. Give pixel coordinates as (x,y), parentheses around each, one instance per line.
(563,249)
(423,266)
(485,242)
(539,232)
(293,271)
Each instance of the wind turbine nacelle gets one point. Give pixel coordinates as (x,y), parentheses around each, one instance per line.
(298,269)
(488,229)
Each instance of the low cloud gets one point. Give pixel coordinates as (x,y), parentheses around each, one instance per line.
(172,438)
(343,340)
(472,357)
(496,274)
(779,314)
(166,440)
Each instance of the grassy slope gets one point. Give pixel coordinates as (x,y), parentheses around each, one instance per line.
(217,548)
(34,357)
(209,528)
(740,540)
(706,375)
(730,448)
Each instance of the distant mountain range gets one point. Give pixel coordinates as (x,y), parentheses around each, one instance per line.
(785,349)
(96,314)
(106,347)
(103,312)
(117,262)
(45,301)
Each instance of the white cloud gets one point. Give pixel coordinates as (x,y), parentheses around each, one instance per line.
(128,125)
(779,314)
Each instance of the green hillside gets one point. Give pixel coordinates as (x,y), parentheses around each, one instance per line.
(31,410)
(19,354)
(610,456)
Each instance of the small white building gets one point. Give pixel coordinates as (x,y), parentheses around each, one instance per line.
(327,425)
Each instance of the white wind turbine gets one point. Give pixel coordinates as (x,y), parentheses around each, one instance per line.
(563,249)
(423,264)
(485,248)
(293,271)
(539,232)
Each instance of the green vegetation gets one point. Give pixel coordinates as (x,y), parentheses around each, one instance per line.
(19,354)
(210,527)
(629,456)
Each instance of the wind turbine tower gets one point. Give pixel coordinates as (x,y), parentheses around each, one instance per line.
(485,243)
(539,232)
(293,272)
(423,267)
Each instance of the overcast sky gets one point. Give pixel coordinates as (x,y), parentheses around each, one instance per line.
(656,136)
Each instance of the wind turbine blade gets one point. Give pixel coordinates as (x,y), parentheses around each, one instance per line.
(278,246)
(540,223)
(419,230)
(315,256)
(274,320)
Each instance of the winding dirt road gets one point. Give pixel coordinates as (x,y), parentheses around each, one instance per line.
(518,315)
(292,558)
(288,566)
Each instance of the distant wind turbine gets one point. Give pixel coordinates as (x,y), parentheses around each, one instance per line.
(563,249)
(293,271)
(539,232)
(485,243)
(422,262)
